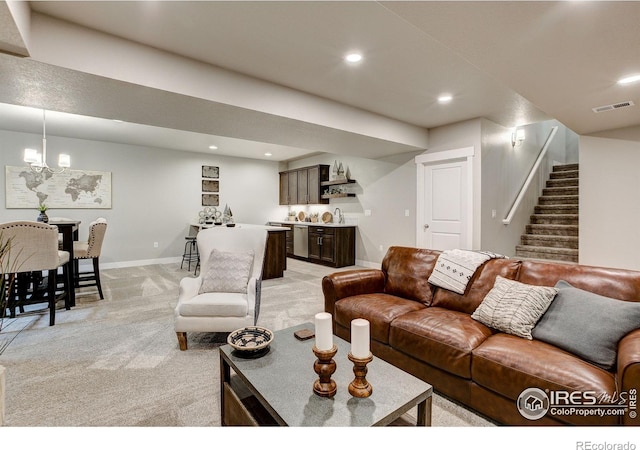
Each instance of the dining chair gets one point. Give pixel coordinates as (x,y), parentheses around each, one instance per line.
(90,249)
(34,250)
(225,295)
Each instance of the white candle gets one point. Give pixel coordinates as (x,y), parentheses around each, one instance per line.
(324,333)
(360,338)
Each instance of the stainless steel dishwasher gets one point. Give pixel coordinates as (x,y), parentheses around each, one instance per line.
(301,241)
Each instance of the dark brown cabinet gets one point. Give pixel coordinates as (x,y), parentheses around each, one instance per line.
(332,246)
(302,186)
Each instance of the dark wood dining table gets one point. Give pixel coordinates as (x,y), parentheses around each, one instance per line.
(68,228)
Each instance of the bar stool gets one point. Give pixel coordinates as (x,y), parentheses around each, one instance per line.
(190,254)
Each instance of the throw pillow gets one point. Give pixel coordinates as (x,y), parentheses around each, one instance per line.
(587,324)
(227,272)
(514,307)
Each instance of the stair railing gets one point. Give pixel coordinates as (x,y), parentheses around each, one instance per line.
(523,190)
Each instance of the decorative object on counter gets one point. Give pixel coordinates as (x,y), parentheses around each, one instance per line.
(338,212)
(210,172)
(360,355)
(327,217)
(302,216)
(227,217)
(42,217)
(291,216)
(313,217)
(209,215)
(325,350)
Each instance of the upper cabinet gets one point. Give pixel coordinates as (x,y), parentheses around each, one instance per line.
(303,186)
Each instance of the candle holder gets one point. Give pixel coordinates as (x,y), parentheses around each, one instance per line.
(360,387)
(325,366)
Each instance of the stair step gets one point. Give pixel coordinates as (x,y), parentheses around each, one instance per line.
(563,182)
(549,253)
(560,191)
(538,240)
(564,174)
(556,209)
(557,219)
(558,200)
(564,167)
(552,229)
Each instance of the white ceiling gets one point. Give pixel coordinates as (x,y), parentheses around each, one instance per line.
(511,62)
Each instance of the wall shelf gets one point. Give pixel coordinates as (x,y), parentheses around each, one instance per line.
(341,195)
(336,182)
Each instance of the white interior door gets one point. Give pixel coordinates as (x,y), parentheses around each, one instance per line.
(445,202)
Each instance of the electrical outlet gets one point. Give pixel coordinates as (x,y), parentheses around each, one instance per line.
(406,213)
(155,245)
(493,213)
(367,212)
(381,248)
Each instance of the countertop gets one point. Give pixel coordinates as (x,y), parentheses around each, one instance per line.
(314,224)
(242,225)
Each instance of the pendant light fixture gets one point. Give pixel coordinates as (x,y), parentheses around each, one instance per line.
(38,161)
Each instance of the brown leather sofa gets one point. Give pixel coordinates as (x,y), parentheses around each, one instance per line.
(428,332)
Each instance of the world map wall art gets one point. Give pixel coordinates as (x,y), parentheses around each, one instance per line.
(69,189)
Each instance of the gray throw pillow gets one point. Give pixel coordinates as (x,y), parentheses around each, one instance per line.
(227,272)
(587,324)
(514,307)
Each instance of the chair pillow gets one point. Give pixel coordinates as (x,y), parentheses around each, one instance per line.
(514,307)
(587,324)
(227,272)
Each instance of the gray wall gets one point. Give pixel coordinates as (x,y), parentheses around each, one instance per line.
(155,192)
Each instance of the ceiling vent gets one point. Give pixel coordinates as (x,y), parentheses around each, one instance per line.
(600,109)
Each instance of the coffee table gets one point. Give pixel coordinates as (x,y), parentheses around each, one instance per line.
(280,388)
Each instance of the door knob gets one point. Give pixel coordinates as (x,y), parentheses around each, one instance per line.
(426,226)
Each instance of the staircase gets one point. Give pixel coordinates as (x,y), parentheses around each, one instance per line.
(553,231)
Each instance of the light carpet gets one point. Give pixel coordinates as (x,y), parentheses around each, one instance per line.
(116,362)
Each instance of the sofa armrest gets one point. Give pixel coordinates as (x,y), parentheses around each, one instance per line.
(189,288)
(628,372)
(350,282)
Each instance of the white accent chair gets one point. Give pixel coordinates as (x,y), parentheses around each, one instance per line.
(236,266)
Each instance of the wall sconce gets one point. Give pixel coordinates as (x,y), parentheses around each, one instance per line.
(517,137)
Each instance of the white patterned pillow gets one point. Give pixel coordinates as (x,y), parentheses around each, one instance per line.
(514,307)
(227,272)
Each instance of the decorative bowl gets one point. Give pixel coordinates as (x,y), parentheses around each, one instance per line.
(231,224)
(250,339)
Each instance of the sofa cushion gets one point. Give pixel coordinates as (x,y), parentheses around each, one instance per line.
(439,337)
(479,285)
(407,271)
(514,307)
(587,324)
(227,272)
(507,365)
(378,309)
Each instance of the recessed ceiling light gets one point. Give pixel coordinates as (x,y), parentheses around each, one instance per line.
(267,154)
(631,79)
(445,98)
(213,147)
(353,57)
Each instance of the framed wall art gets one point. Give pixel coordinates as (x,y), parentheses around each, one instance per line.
(210,186)
(210,172)
(210,200)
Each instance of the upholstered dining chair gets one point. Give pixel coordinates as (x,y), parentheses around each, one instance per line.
(34,249)
(90,249)
(225,295)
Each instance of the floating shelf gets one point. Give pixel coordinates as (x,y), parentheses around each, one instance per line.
(336,182)
(344,194)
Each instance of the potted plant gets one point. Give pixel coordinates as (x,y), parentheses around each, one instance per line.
(313,217)
(42,217)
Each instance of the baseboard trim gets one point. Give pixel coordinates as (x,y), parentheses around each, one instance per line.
(368,264)
(140,262)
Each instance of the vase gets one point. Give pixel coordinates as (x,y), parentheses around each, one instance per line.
(42,217)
